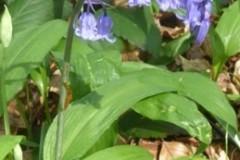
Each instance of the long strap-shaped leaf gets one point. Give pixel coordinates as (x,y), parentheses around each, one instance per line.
(123,152)
(88,118)
(25,54)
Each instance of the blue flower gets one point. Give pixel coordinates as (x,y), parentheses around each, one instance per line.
(104,27)
(198,18)
(133,3)
(169,4)
(87,27)
(197,15)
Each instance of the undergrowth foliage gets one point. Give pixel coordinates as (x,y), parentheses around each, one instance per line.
(103,99)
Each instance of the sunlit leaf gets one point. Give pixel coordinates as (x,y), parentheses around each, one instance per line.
(7,144)
(178,110)
(25,54)
(123,152)
(228,29)
(88,118)
(28,13)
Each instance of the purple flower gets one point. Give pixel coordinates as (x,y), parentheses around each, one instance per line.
(104,27)
(169,4)
(197,15)
(87,27)
(198,18)
(133,3)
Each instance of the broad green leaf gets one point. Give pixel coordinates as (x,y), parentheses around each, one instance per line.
(217,51)
(105,45)
(25,54)
(88,118)
(58,8)
(67,9)
(228,29)
(107,139)
(123,152)
(28,13)
(178,110)
(141,29)
(89,71)
(173,48)
(8,143)
(132,124)
(6,28)
(78,47)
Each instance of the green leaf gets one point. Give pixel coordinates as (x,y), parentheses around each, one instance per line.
(178,110)
(141,29)
(132,124)
(217,51)
(91,70)
(78,47)
(28,13)
(85,120)
(40,77)
(123,152)
(228,29)
(7,144)
(88,118)
(6,28)
(174,48)
(25,54)
(107,139)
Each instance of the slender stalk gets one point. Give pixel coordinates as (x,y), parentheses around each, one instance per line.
(46,108)
(3,92)
(23,115)
(66,69)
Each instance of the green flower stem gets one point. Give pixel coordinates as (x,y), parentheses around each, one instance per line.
(23,115)
(46,108)
(63,93)
(3,92)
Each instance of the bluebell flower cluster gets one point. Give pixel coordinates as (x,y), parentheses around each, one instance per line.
(197,17)
(88,28)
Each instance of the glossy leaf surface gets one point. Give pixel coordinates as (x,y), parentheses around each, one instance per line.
(23,55)
(178,110)
(122,153)
(29,13)
(7,144)
(88,118)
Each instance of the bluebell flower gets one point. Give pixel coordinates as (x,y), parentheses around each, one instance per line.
(87,26)
(198,17)
(133,3)
(104,27)
(169,4)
